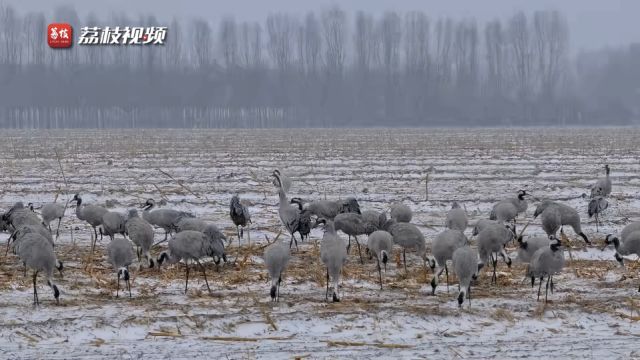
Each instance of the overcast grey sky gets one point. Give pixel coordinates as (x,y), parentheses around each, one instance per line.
(593,23)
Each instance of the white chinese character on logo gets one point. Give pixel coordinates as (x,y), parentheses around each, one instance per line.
(90,35)
(161,34)
(116,34)
(54,33)
(64,33)
(136,35)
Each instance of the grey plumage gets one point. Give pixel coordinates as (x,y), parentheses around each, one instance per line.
(195,245)
(289,215)
(333,254)
(597,205)
(629,229)
(442,250)
(546,262)
(183,223)
(602,187)
(407,236)
(239,215)
(112,224)
(377,219)
(508,209)
(304,219)
(162,218)
(353,224)
(482,224)
(551,220)
(141,233)
(457,218)
(528,247)
(568,216)
(401,213)
(37,254)
(276,259)
(19,216)
(629,245)
(19,233)
(120,256)
(328,209)
(50,212)
(465,265)
(380,245)
(92,214)
(491,240)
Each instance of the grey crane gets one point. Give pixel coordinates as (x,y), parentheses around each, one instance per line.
(328,209)
(630,245)
(120,255)
(481,225)
(285,181)
(37,253)
(276,259)
(528,247)
(401,213)
(456,218)
(546,262)
(183,223)
(289,215)
(19,216)
(353,224)
(630,228)
(162,218)
(333,254)
(380,245)
(551,220)
(502,211)
(50,212)
(113,223)
(194,245)
(92,214)
(602,187)
(568,216)
(304,220)
(442,250)
(407,236)
(491,240)
(141,233)
(465,265)
(25,229)
(240,216)
(597,205)
(376,219)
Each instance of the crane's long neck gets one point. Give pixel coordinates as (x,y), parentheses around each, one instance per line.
(283,197)
(607,170)
(79,209)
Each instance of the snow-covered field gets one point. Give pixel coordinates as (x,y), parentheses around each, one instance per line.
(594,312)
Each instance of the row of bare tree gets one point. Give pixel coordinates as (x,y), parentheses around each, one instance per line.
(326,69)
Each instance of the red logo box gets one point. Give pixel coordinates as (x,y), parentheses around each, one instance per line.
(59,35)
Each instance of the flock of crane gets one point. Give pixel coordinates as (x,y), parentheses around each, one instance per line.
(195,239)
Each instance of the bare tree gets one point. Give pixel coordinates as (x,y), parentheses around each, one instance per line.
(202,44)
(228,40)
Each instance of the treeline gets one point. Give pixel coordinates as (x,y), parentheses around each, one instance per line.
(324,69)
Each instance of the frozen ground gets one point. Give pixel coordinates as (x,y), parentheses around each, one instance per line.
(593,313)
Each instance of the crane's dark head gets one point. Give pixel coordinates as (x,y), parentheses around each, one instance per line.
(298,201)
(277,182)
(455,205)
(606,168)
(522,194)
(124,273)
(351,205)
(610,239)
(56,291)
(273,292)
(149,204)
(554,242)
(30,206)
(460,298)
(77,198)
(163,256)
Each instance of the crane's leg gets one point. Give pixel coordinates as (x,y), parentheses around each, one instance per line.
(349,245)
(551,277)
(117,283)
(293,238)
(446,270)
(129,287)
(540,287)
(434,280)
(204,274)
(379,272)
(404,259)
(35,290)
(186,283)
(58,229)
(278,288)
(546,291)
(359,252)
(494,277)
(326,294)
(469,295)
